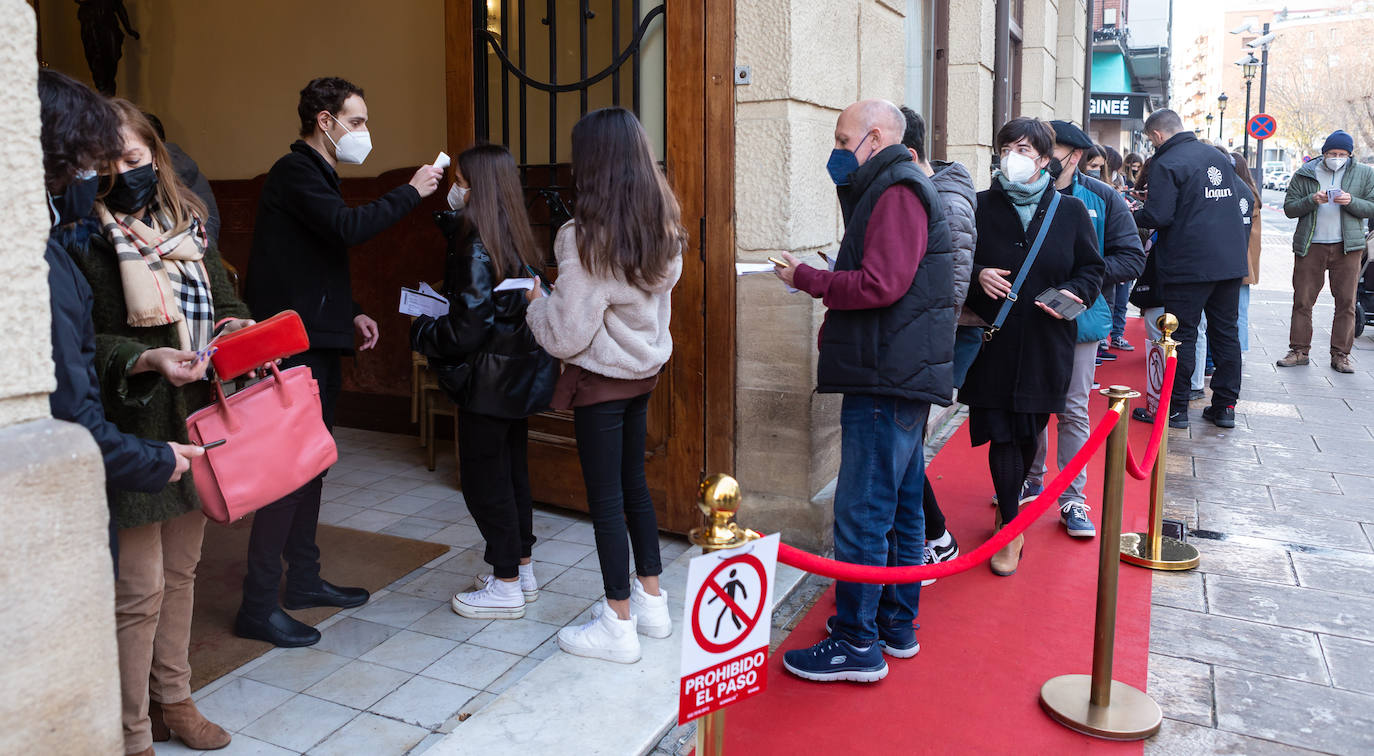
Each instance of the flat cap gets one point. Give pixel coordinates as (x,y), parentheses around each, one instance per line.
(1070,135)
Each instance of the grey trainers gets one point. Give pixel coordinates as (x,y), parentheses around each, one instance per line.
(1294,358)
(1341,363)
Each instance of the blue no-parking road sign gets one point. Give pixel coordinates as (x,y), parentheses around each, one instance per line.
(1262,126)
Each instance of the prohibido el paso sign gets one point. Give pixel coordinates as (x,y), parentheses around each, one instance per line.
(726,618)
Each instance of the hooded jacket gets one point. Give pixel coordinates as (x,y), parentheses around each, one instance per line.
(1358,181)
(1194,206)
(486,358)
(959,198)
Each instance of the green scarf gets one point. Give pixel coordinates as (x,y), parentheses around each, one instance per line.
(1024,197)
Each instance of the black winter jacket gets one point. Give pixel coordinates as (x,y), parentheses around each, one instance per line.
(1026,365)
(485,355)
(907,348)
(131,463)
(300,245)
(1194,205)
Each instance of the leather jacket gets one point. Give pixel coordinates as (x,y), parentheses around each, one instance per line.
(486,359)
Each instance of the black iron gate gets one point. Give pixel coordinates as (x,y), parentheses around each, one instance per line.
(506,68)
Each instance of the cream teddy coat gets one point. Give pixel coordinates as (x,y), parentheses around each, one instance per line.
(604,325)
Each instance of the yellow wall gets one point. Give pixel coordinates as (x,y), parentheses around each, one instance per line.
(225,75)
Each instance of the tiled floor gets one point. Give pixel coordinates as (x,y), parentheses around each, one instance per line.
(395,675)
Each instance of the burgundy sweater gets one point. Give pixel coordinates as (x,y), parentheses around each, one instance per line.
(894,243)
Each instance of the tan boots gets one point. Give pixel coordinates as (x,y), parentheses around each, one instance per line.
(187,722)
(1006,559)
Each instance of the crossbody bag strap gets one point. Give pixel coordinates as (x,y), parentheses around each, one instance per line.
(1025,268)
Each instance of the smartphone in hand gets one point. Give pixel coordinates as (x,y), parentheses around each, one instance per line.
(1055,299)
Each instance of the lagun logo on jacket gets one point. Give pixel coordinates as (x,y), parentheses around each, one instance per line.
(1214,176)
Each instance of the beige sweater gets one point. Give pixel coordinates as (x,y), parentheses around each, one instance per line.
(604,325)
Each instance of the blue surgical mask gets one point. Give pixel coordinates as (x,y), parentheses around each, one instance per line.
(843,163)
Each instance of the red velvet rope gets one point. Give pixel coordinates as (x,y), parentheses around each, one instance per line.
(861,573)
(1141,470)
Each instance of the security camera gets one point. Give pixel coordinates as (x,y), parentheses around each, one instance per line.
(1241,29)
(1247,59)
(1261,41)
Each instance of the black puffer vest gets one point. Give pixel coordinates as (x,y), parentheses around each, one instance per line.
(906,349)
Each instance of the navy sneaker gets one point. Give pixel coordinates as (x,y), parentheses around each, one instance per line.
(896,641)
(1029,491)
(833,660)
(1104,355)
(1074,515)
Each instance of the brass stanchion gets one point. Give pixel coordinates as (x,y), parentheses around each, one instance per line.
(1153,549)
(718,500)
(1097,705)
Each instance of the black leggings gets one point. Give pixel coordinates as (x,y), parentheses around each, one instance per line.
(1008,463)
(492,460)
(610,444)
(935,519)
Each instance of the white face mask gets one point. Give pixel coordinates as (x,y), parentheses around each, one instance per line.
(353,147)
(1018,168)
(1334,164)
(457,197)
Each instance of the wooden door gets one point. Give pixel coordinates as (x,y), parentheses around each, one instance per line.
(532,69)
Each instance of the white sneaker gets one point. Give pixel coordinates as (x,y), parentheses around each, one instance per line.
(496,599)
(606,636)
(650,613)
(528,585)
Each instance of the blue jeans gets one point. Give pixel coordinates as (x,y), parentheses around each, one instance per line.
(878,514)
(1243,323)
(1120,302)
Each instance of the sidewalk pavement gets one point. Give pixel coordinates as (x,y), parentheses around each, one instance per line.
(1268,647)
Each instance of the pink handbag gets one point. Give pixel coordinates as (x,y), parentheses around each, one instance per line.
(275,442)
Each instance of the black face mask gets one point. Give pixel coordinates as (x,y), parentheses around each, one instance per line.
(132,190)
(75,203)
(1055,168)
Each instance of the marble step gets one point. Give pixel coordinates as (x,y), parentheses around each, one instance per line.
(573,705)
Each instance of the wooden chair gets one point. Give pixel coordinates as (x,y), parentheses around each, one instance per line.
(435,403)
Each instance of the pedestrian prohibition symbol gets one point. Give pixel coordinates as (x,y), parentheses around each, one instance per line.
(727,612)
(1262,126)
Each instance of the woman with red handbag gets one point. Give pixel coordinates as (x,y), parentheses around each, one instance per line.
(490,365)
(158,287)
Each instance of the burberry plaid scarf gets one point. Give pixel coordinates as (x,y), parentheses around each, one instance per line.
(164,278)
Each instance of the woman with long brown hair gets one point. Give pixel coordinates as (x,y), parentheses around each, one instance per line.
(488,362)
(607,319)
(1253,225)
(158,288)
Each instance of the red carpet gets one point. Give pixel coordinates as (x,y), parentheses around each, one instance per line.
(987,643)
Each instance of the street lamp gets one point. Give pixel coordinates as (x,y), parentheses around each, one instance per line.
(1261,44)
(1221,122)
(1209,124)
(1249,66)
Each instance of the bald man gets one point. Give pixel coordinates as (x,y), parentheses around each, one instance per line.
(888,347)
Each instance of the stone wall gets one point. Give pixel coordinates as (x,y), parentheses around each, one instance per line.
(57,614)
(809,61)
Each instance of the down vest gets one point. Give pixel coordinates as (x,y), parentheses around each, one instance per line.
(906,349)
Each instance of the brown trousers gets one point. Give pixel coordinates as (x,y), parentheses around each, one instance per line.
(153,599)
(1321,261)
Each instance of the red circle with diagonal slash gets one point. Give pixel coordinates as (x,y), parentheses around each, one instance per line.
(749,622)
(1262,126)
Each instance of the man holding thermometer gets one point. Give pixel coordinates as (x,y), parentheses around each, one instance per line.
(299,262)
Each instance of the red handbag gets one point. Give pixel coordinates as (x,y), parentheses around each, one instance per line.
(275,442)
(247,349)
